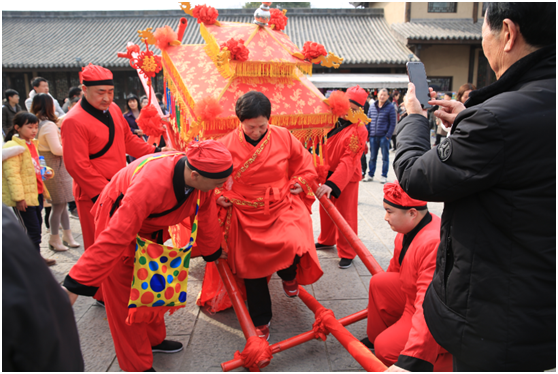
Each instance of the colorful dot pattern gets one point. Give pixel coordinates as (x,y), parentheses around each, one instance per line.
(160,272)
(160,275)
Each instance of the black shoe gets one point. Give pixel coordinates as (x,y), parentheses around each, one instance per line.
(345,263)
(324,246)
(367,343)
(168,346)
(150,369)
(101,303)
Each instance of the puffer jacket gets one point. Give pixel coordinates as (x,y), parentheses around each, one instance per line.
(492,300)
(383,120)
(19,181)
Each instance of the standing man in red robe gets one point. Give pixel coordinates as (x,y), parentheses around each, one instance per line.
(396,328)
(144,199)
(96,139)
(345,145)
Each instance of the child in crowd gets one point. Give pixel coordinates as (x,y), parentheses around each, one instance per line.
(22,182)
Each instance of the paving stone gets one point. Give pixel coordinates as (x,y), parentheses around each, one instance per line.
(182,322)
(290,315)
(214,340)
(309,356)
(338,283)
(96,341)
(81,306)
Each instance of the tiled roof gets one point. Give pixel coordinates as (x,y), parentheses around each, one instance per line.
(439,29)
(42,40)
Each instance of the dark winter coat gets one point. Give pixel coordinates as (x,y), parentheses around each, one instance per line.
(492,301)
(8,114)
(383,120)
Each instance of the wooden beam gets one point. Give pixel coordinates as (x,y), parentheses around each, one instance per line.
(475,12)
(407,12)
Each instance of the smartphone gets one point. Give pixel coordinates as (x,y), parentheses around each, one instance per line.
(417,76)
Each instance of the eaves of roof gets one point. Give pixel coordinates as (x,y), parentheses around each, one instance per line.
(438,29)
(39,40)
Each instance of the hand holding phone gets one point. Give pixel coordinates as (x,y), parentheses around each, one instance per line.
(417,76)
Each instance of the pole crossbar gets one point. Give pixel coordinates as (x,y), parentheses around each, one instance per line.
(329,324)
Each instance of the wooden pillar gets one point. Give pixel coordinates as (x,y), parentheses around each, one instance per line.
(407,12)
(475,13)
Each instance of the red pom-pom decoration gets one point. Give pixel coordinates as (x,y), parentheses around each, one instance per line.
(237,48)
(205,14)
(149,121)
(278,19)
(208,108)
(164,36)
(339,103)
(312,50)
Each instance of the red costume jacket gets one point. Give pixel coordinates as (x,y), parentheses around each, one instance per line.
(157,188)
(85,132)
(345,145)
(415,273)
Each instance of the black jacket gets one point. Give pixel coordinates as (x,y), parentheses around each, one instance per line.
(8,115)
(492,301)
(39,330)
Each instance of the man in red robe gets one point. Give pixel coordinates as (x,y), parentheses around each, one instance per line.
(96,139)
(145,201)
(266,213)
(396,327)
(345,145)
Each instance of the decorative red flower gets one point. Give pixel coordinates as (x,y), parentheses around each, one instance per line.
(278,19)
(237,48)
(148,63)
(312,50)
(205,14)
(149,121)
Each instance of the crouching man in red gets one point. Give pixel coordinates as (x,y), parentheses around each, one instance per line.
(143,200)
(396,327)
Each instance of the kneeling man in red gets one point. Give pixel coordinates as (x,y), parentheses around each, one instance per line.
(396,327)
(143,279)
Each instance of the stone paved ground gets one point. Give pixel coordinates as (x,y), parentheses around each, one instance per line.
(213,339)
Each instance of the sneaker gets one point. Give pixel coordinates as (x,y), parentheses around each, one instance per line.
(101,303)
(168,346)
(345,263)
(368,178)
(263,331)
(74,214)
(383,180)
(324,246)
(290,288)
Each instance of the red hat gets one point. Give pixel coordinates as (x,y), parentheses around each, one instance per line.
(94,75)
(396,197)
(209,158)
(357,95)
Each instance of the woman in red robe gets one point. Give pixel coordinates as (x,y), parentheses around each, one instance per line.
(145,201)
(266,213)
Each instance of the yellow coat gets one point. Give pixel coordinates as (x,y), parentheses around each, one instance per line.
(19,181)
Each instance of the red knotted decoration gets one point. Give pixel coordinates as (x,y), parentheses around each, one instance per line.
(278,19)
(312,50)
(256,350)
(339,103)
(237,48)
(205,14)
(320,331)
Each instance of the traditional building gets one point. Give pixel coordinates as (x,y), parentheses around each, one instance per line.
(446,37)
(55,45)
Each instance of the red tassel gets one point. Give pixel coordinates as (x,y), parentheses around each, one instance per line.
(339,103)
(208,108)
(150,122)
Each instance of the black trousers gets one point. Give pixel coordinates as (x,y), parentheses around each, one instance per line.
(257,293)
(364,164)
(33,221)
